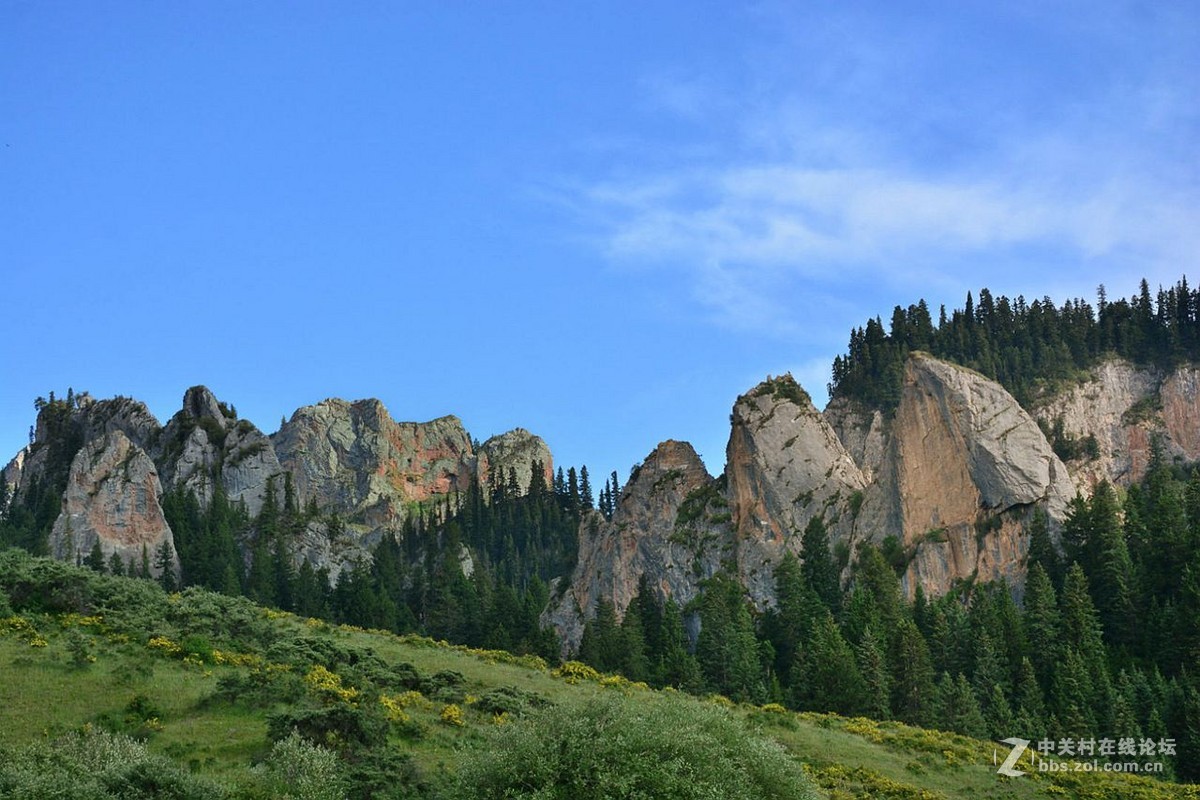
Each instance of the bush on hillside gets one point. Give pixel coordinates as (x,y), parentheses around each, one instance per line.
(97,765)
(613,748)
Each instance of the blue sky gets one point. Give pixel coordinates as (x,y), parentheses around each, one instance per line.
(599,221)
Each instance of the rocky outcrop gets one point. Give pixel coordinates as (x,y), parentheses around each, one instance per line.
(672,525)
(964,467)
(124,414)
(354,458)
(1179,398)
(112,497)
(515,452)
(1111,422)
(861,432)
(205,445)
(785,465)
(15,468)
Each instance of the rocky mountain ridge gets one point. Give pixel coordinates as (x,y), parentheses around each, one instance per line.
(351,460)
(954,476)
(950,480)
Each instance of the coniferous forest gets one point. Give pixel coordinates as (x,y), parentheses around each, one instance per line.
(1028,347)
(1104,640)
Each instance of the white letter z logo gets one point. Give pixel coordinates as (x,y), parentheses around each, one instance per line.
(1018,747)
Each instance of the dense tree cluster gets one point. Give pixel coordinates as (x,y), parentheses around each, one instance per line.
(1026,346)
(472,569)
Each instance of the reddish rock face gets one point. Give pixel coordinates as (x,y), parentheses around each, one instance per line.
(355,458)
(963,468)
(112,497)
(1180,395)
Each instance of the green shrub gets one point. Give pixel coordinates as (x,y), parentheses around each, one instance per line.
(97,765)
(509,700)
(341,727)
(258,688)
(614,748)
(302,770)
(446,686)
(79,645)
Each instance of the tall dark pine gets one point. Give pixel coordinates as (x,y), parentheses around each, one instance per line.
(585,488)
(817,566)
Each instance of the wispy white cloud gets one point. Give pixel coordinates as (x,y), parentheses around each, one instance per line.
(785,215)
(816,187)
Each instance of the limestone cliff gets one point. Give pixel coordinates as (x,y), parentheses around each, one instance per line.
(784,466)
(112,497)
(354,458)
(672,525)
(964,466)
(1119,413)
(205,444)
(861,431)
(514,452)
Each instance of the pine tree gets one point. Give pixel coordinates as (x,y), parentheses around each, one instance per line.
(602,645)
(877,681)
(912,675)
(826,676)
(1041,549)
(585,488)
(634,663)
(573,499)
(958,707)
(677,666)
(817,567)
(796,610)
(726,648)
(95,560)
(1042,624)
(1030,719)
(164,562)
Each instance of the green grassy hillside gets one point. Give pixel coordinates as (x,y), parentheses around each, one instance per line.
(111,688)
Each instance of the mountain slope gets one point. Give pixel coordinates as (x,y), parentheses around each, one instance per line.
(207,679)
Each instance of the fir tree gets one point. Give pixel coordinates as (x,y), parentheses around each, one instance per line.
(826,676)
(164,562)
(872,665)
(95,559)
(585,488)
(817,567)
(912,675)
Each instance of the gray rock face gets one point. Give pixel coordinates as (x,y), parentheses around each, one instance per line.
(1125,408)
(355,458)
(861,432)
(517,451)
(124,414)
(205,444)
(15,468)
(954,476)
(112,497)
(335,551)
(785,465)
(672,525)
